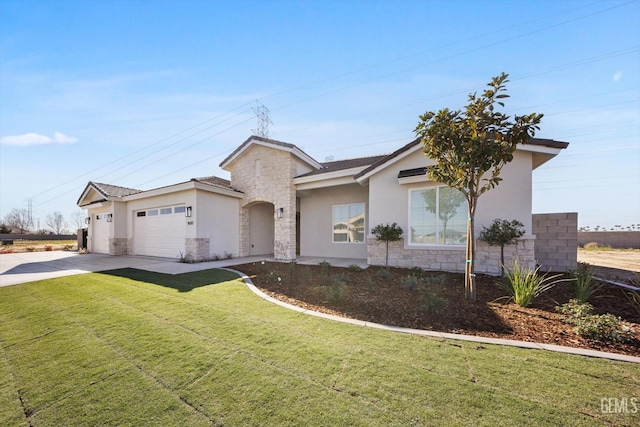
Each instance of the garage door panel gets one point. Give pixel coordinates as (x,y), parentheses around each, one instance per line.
(159,235)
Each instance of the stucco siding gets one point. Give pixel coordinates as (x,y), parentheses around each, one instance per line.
(511,199)
(217,220)
(316,221)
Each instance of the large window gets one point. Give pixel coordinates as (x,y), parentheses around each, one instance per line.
(348,223)
(437,216)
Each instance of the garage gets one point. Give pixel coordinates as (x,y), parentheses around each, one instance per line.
(100,234)
(159,231)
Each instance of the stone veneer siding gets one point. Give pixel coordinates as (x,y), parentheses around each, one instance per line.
(438,259)
(556,241)
(119,246)
(198,248)
(275,186)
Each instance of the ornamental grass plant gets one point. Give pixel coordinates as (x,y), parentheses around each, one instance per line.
(524,284)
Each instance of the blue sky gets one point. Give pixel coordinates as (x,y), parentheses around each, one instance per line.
(149,93)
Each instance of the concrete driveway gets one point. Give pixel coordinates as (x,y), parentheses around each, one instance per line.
(31,266)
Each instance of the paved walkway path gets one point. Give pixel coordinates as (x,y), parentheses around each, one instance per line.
(32,266)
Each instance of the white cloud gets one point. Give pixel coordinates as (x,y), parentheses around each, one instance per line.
(37,139)
(617,76)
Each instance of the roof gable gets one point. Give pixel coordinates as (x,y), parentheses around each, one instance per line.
(96,192)
(271,143)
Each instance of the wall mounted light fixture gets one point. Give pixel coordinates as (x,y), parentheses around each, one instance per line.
(87,220)
(109,217)
(188,212)
(280,212)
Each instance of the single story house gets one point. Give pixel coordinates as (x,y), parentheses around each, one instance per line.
(281,202)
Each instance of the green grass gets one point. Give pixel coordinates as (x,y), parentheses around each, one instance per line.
(138,348)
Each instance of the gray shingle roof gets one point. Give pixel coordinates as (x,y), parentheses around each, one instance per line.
(216,182)
(109,190)
(344,164)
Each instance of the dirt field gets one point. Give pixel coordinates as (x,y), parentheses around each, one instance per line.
(623,265)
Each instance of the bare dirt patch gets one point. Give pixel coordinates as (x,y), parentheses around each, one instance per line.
(391,302)
(620,265)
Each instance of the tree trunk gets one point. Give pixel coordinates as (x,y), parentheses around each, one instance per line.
(469,272)
(386,259)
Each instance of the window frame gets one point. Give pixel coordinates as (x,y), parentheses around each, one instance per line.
(333,223)
(438,243)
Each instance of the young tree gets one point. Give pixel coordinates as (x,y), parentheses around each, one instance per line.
(387,233)
(56,222)
(4,229)
(470,147)
(500,233)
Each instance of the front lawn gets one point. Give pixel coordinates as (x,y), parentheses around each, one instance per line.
(139,348)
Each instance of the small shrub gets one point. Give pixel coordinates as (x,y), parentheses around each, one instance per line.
(341,277)
(30,249)
(186,259)
(48,248)
(228,255)
(410,282)
(216,257)
(595,246)
(583,284)
(601,327)
(416,271)
(525,284)
(431,302)
(67,247)
(384,274)
(336,290)
(437,281)
(325,268)
(263,267)
(83,251)
(371,286)
(355,268)
(6,251)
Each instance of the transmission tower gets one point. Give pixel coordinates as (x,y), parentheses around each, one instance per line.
(262,116)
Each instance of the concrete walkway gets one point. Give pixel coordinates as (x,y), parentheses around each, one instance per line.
(32,266)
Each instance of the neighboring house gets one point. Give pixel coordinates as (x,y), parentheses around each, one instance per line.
(282,202)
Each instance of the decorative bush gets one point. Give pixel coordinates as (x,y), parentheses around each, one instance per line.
(601,327)
(387,233)
(324,268)
(355,268)
(500,233)
(383,274)
(432,302)
(525,284)
(634,299)
(410,282)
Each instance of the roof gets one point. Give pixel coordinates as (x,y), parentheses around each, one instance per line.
(533,141)
(215,182)
(343,164)
(266,141)
(109,190)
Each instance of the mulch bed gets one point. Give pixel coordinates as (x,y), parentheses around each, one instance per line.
(367,297)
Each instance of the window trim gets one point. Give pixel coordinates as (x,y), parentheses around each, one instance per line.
(333,223)
(428,245)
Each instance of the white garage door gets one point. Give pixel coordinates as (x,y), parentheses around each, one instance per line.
(100,234)
(159,231)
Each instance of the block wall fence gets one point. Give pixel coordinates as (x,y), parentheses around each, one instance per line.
(556,244)
(615,239)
